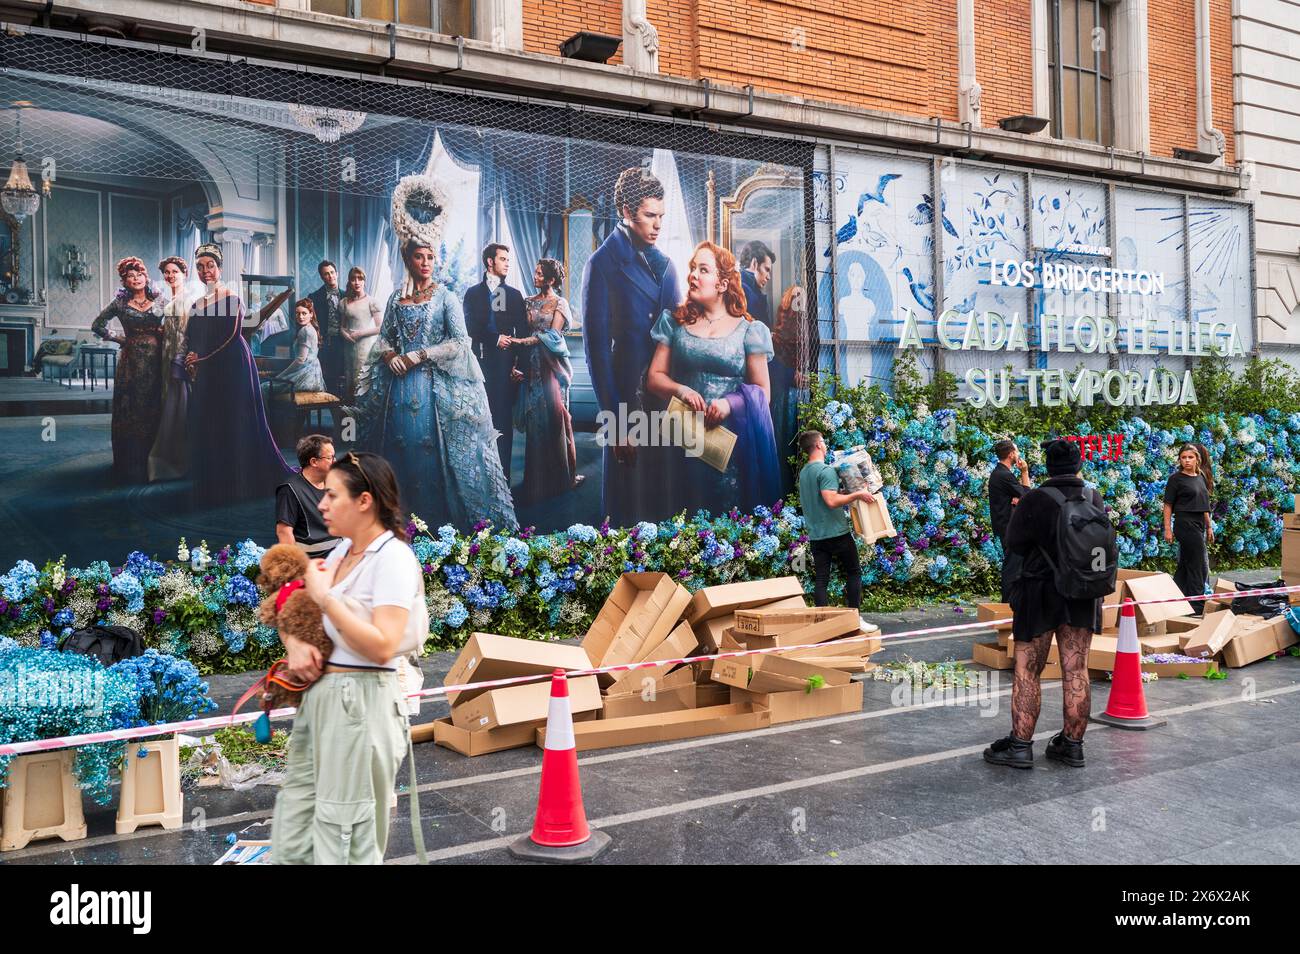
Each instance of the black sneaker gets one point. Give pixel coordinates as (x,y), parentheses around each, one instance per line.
(1012,752)
(1062,748)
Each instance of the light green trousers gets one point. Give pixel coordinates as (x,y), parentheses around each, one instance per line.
(349,738)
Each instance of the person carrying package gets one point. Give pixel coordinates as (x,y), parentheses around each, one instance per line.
(830,532)
(1071,561)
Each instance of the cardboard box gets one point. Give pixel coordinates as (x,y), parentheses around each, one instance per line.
(449,736)
(1208,639)
(871,520)
(999,613)
(795,706)
(709,631)
(1263,639)
(664,726)
(637,704)
(841,663)
(679,644)
(1194,670)
(838,648)
(1158,586)
(1110,617)
(1291,555)
(683,676)
(992,655)
(514,705)
(829,627)
(1291,521)
(488,656)
(1181,625)
(1101,653)
(711,694)
(719,600)
(1168,643)
(640,612)
(771,621)
(772,673)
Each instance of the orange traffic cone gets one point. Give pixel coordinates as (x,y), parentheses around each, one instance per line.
(560,831)
(1127,706)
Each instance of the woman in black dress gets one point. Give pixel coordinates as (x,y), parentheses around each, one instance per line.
(137,385)
(1187,520)
(1040,612)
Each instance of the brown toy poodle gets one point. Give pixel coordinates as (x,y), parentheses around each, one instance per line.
(290,611)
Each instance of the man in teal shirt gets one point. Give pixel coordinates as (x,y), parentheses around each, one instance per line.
(830,532)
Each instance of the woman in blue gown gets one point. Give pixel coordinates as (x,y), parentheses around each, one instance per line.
(232,453)
(426,409)
(714,357)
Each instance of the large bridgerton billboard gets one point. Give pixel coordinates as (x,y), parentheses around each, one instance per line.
(535,323)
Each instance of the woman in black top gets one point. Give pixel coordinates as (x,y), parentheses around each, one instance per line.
(1187,520)
(1040,612)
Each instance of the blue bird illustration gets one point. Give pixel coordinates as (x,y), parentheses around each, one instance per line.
(847,230)
(923,214)
(920,291)
(879,194)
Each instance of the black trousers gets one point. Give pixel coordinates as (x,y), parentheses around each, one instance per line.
(1192,573)
(1011,566)
(842,550)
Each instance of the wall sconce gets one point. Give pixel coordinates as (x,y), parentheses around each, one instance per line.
(75,267)
(1024,124)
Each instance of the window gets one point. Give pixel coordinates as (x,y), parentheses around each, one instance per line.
(450,17)
(1079,61)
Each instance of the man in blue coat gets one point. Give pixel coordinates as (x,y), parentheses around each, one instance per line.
(494,313)
(756,260)
(627,284)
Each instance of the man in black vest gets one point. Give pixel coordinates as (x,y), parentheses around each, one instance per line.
(1005,491)
(494,313)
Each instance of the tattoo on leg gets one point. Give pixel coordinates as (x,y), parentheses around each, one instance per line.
(1076,690)
(1026,689)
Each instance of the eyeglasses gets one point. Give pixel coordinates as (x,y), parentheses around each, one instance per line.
(327,457)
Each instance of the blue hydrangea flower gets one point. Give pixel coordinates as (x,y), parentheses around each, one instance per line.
(129,587)
(457,615)
(240,591)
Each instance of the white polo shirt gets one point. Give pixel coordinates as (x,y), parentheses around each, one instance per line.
(388,575)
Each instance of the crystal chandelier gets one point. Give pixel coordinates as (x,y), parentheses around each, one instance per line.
(20,198)
(327,125)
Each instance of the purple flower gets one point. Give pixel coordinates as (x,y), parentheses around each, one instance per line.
(473,549)
(737,553)
(428,568)
(608,550)
(479,525)
(103,603)
(103,589)
(411,529)
(683,573)
(638,555)
(48,605)
(209,578)
(4,606)
(776,507)
(158,616)
(69,585)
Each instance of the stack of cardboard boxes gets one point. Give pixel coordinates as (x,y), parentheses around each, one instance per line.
(649,617)
(1163,627)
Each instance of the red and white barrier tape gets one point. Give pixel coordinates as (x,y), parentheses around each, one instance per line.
(221,722)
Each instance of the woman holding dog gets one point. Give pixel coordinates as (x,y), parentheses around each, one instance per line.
(351,731)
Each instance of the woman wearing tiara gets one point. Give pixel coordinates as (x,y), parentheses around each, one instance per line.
(426,410)
(232,453)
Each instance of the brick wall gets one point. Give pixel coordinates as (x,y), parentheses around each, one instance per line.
(548,23)
(1004,58)
(1172,53)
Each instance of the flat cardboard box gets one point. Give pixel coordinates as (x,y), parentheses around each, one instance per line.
(860,648)
(488,656)
(770,621)
(719,600)
(514,705)
(709,631)
(833,625)
(1180,625)
(795,706)
(1159,586)
(638,615)
(637,703)
(992,655)
(1208,639)
(683,676)
(1221,586)
(679,644)
(999,613)
(772,673)
(842,663)
(1195,670)
(449,736)
(1168,643)
(1110,617)
(711,694)
(664,726)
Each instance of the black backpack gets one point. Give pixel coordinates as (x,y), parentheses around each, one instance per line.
(108,644)
(1085,542)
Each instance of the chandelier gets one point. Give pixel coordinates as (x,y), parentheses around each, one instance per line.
(327,125)
(19,197)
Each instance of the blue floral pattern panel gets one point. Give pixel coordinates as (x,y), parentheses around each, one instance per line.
(1220,258)
(884,259)
(1070,227)
(1149,234)
(983,218)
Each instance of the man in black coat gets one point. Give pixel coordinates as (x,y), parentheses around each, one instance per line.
(1005,490)
(755,260)
(494,313)
(327,300)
